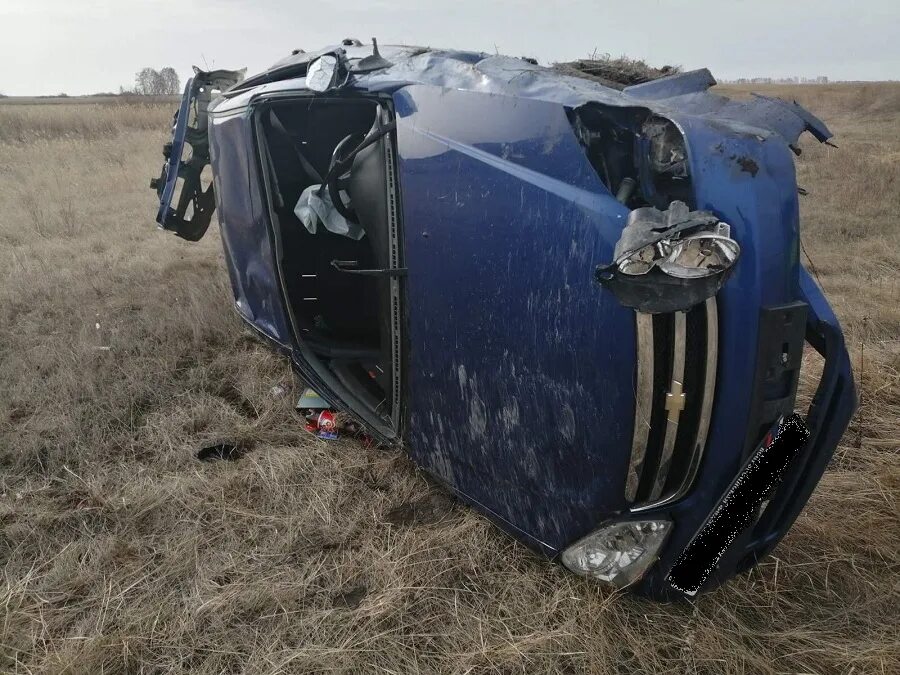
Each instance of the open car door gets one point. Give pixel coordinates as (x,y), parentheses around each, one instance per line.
(185,208)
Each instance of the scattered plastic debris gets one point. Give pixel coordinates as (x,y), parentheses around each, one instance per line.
(329,424)
(311,400)
(277,390)
(321,420)
(324,425)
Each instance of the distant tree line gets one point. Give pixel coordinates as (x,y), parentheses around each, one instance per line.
(152,82)
(821,79)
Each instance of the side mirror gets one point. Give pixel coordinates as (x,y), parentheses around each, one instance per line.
(322,73)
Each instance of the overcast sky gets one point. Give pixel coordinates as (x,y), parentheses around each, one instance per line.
(85,46)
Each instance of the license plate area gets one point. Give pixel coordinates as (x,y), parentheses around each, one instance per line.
(740,508)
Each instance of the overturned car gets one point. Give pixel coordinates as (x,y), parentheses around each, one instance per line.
(581,308)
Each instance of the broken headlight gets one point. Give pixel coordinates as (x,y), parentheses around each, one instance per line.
(700,255)
(667,261)
(619,553)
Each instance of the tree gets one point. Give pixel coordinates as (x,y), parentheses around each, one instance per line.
(171,83)
(145,82)
(151,82)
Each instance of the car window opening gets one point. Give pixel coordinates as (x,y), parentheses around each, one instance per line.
(333,156)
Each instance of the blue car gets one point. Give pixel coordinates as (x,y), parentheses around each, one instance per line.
(580,307)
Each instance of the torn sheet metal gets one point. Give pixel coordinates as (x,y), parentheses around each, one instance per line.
(683,93)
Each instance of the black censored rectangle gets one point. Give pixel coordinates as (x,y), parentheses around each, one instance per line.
(739,508)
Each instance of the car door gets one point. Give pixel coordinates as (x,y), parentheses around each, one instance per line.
(220,133)
(185,207)
(521,368)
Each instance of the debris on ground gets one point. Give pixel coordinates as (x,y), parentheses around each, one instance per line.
(328,424)
(320,419)
(323,424)
(309,399)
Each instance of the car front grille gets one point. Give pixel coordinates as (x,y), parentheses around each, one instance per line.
(674,390)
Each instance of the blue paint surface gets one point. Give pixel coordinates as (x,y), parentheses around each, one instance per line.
(172,163)
(521,367)
(244,225)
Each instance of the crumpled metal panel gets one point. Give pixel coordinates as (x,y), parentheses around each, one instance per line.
(685,93)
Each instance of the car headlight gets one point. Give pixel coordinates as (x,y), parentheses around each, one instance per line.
(619,553)
(645,259)
(669,261)
(701,255)
(696,256)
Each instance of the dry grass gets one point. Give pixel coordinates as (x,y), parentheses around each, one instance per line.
(28,123)
(616,72)
(120,357)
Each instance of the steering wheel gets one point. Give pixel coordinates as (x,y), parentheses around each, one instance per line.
(338,180)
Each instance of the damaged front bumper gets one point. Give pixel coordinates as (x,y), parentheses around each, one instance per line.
(829,414)
(659,534)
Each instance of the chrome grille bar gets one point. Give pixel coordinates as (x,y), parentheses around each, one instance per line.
(643,403)
(674,404)
(707,396)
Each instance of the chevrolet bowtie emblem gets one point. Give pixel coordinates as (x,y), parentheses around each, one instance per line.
(675,402)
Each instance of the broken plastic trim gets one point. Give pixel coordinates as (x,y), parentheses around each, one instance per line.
(669,261)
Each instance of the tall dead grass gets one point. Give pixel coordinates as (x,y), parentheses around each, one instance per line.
(33,123)
(120,552)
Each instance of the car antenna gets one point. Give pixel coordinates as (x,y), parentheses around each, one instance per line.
(373,62)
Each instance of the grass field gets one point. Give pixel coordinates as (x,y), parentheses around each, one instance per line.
(121,553)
